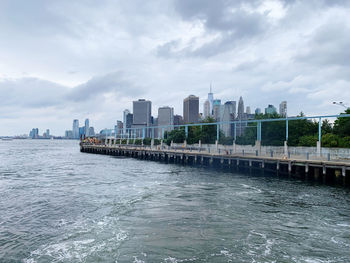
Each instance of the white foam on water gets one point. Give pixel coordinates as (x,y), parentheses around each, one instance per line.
(269,243)
(343,224)
(136,260)
(175,260)
(339,242)
(76,246)
(252,188)
(77,250)
(266,247)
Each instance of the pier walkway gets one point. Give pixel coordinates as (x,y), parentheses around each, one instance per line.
(318,169)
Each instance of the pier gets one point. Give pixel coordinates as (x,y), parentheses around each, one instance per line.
(324,170)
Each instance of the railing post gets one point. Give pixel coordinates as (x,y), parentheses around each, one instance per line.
(235,129)
(186,131)
(258,134)
(287,129)
(319,129)
(217,132)
(319,137)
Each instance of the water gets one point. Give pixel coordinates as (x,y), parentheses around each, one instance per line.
(60,205)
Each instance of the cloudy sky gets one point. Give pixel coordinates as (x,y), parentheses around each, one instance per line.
(61,60)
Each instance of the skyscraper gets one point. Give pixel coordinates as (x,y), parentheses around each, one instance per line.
(166,117)
(270,109)
(47,134)
(178,120)
(241,115)
(34,133)
(142,112)
(191,109)
(217,109)
(248,110)
(128,124)
(211,101)
(240,111)
(91,131)
(227,116)
(118,129)
(87,126)
(206,109)
(283,109)
(75,129)
(257,111)
(125,114)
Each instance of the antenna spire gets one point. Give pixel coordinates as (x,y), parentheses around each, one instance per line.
(210,87)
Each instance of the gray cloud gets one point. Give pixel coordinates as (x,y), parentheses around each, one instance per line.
(228,19)
(30,93)
(91,59)
(328,46)
(111,82)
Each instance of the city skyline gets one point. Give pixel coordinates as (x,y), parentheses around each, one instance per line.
(62,66)
(224,111)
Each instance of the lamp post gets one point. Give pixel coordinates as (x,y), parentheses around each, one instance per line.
(340,104)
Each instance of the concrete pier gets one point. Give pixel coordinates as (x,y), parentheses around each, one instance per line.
(327,171)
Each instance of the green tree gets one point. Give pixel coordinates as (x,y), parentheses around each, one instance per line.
(307,140)
(208,132)
(330,140)
(342,125)
(326,127)
(299,128)
(177,136)
(194,134)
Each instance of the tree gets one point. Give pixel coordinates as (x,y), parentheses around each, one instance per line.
(342,125)
(177,136)
(326,127)
(208,132)
(299,128)
(194,134)
(308,140)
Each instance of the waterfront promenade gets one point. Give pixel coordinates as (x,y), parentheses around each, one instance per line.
(321,168)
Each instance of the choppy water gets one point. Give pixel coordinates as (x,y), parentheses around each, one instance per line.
(60,205)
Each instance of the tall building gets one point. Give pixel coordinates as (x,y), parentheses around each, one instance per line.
(34,133)
(283,109)
(166,117)
(46,134)
(81,132)
(129,120)
(248,110)
(125,114)
(240,110)
(142,115)
(211,101)
(227,116)
(76,129)
(178,120)
(206,109)
(191,109)
(241,115)
(270,109)
(118,129)
(91,131)
(257,111)
(87,126)
(68,134)
(217,109)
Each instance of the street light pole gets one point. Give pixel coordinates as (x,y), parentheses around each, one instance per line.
(340,104)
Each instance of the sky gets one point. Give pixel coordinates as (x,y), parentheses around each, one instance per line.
(65,60)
